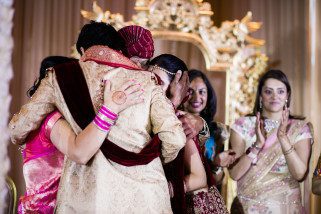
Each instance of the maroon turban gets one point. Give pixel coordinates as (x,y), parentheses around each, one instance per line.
(139,41)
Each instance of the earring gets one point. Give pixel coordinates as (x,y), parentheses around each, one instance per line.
(260,105)
(286,103)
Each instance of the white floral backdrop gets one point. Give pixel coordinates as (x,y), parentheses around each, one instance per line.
(6,46)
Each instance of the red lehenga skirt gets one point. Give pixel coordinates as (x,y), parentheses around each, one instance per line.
(206,202)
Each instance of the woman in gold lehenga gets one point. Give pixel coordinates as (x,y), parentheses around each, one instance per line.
(273,149)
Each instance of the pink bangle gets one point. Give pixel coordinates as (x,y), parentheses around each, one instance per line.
(108,112)
(104,119)
(100,126)
(103,122)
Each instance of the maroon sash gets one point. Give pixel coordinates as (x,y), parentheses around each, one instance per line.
(74,89)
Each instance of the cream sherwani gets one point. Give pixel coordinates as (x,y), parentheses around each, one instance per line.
(103,186)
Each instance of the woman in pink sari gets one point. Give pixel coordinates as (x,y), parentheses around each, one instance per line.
(273,150)
(45,148)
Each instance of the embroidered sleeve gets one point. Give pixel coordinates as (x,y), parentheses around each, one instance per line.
(33,113)
(166,125)
(239,127)
(305,133)
(245,127)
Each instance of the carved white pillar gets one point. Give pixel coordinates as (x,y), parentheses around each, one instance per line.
(6,45)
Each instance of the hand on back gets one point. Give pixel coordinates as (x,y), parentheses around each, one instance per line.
(126,95)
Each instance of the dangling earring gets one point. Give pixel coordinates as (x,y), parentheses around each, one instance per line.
(286,103)
(260,105)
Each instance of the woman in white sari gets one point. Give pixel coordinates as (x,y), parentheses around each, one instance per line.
(273,149)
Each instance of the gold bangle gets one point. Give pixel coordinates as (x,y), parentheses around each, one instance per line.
(289,150)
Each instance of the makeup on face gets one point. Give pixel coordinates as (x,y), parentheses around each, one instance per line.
(198,97)
(274,95)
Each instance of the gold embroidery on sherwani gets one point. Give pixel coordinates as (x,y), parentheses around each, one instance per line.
(103,54)
(102,186)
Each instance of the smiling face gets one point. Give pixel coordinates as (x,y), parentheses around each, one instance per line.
(198,100)
(274,95)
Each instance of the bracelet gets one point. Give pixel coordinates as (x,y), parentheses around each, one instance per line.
(251,155)
(104,119)
(289,150)
(100,126)
(104,110)
(255,146)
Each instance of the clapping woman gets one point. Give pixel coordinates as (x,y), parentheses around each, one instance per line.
(272,148)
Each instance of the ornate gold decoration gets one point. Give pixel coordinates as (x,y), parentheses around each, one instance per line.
(99,15)
(228,48)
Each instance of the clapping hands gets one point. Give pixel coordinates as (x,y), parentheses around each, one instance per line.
(260,132)
(284,123)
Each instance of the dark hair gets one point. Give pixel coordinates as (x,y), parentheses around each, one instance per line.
(208,113)
(99,33)
(169,62)
(278,75)
(45,64)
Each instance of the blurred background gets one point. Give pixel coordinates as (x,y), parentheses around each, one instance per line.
(291,29)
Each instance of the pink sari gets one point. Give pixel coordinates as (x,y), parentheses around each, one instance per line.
(42,167)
